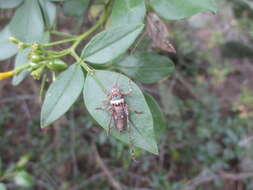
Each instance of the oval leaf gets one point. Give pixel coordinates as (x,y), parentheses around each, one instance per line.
(23,179)
(21,59)
(146,67)
(158,116)
(27,24)
(57,1)
(97,85)
(75,8)
(9,4)
(48,12)
(128,12)
(111,43)
(61,94)
(2,186)
(7,48)
(179,9)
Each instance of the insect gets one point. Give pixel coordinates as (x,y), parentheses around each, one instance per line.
(119,110)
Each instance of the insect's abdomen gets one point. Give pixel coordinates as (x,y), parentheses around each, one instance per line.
(119,116)
(120,123)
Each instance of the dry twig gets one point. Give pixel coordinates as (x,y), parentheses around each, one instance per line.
(200,179)
(115,184)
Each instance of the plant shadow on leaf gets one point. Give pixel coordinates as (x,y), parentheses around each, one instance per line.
(96,87)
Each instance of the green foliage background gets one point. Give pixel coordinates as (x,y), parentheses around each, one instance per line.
(202,108)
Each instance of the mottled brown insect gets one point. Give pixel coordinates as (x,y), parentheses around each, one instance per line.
(119,110)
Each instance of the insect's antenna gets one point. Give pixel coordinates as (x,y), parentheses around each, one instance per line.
(117,80)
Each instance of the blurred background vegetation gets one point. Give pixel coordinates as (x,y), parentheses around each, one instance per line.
(208,103)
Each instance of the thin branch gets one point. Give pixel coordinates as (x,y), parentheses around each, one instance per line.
(17,98)
(115,184)
(200,179)
(236,177)
(94,178)
(190,88)
(73,143)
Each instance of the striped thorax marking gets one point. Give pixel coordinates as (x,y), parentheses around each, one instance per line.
(117,102)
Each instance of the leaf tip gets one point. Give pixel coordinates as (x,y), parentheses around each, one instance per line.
(155,150)
(43,122)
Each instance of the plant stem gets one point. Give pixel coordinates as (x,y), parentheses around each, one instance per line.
(7,176)
(81,62)
(85,35)
(56,55)
(62,34)
(77,40)
(59,42)
(101,20)
(20,68)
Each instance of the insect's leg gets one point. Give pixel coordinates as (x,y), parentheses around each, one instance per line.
(109,126)
(129,133)
(135,111)
(107,108)
(130,90)
(102,108)
(106,101)
(110,109)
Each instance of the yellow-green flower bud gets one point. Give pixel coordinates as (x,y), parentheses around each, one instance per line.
(32,64)
(35,58)
(35,46)
(22,45)
(57,65)
(36,74)
(13,40)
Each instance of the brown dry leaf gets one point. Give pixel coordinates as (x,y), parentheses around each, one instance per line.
(158,32)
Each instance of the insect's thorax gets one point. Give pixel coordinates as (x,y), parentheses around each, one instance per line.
(117,100)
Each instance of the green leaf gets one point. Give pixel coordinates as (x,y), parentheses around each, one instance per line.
(27,24)
(128,12)
(9,4)
(75,8)
(146,67)
(23,179)
(56,0)
(97,85)
(1,165)
(179,9)
(7,48)
(158,116)
(48,12)
(61,94)
(23,161)
(2,186)
(21,59)
(111,43)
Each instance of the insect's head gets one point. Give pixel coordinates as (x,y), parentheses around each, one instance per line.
(115,90)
